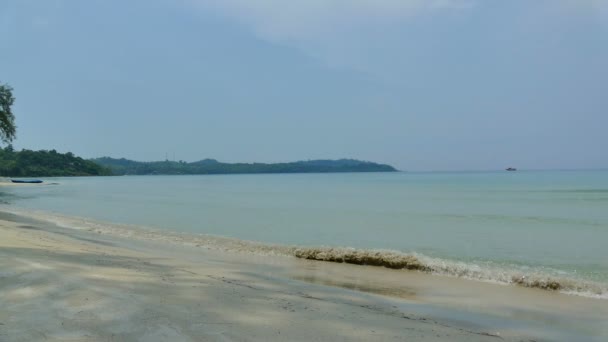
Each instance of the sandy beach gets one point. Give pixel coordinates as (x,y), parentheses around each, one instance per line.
(4,183)
(59,284)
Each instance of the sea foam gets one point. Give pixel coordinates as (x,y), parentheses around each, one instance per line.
(500,274)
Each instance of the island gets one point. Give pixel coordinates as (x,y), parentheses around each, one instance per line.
(50,163)
(211,166)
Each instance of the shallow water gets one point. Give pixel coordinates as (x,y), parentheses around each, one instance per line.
(512,313)
(553,223)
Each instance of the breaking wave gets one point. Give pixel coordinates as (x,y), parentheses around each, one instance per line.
(369,257)
(419,262)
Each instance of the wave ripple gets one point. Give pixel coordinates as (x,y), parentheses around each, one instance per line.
(394,260)
(506,275)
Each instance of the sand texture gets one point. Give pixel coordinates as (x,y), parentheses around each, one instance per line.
(59,284)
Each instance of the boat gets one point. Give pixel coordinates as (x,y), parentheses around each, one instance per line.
(511,169)
(27,181)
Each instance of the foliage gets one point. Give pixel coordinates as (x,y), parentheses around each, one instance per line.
(212,166)
(27,163)
(7,119)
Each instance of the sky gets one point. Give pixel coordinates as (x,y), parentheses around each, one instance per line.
(418,84)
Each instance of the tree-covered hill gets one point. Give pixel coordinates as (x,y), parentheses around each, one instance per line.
(27,163)
(212,166)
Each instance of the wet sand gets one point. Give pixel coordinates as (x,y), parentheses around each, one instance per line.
(59,284)
(5,183)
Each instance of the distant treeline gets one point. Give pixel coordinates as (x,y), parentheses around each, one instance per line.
(27,163)
(212,166)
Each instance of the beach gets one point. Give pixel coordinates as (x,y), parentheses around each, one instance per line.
(304,171)
(61,284)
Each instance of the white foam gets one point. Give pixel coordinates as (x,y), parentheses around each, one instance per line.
(392,259)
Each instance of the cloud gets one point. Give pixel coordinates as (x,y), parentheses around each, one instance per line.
(280,20)
(329,30)
(369,35)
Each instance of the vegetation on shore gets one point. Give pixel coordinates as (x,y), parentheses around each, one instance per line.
(27,163)
(8,130)
(212,166)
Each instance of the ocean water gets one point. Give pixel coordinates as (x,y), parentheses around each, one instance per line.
(529,228)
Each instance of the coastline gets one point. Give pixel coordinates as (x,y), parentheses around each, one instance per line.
(11,184)
(478,272)
(78,283)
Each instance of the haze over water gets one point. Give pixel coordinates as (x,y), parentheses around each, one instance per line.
(554,222)
(418,84)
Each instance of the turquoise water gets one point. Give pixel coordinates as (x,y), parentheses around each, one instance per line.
(554,221)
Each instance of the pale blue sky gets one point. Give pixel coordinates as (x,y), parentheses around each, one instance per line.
(419,84)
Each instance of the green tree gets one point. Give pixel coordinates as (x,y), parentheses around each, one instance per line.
(7,119)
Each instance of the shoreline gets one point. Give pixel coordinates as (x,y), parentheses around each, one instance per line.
(77,283)
(21,184)
(400,261)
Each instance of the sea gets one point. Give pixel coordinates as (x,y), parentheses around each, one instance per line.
(544,229)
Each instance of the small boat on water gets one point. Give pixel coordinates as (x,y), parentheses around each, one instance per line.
(511,169)
(27,181)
